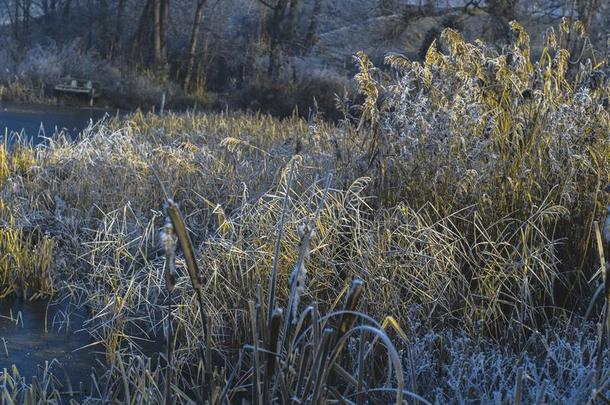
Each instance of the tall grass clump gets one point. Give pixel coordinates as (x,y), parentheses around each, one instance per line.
(26,264)
(503,137)
(27,257)
(294,353)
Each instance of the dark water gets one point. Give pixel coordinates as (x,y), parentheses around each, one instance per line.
(38,121)
(32,332)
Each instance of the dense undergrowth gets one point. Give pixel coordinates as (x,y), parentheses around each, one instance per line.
(460,217)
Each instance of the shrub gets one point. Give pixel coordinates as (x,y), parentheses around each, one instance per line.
(314,92)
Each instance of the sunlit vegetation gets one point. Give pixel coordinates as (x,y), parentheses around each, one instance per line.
(438,245)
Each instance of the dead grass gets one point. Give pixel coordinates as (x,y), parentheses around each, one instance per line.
(460,208)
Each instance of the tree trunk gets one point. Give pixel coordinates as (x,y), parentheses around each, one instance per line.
(164,23)
(103,11)
(27,5)
(136,50)
(281,30)
(16,23)
(274,28)
(118,33)
(312,31)
(157,31)
(193,47)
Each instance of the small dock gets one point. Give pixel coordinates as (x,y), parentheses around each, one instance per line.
(78,87)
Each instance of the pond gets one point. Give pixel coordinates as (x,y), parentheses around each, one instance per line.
(34,332)
(36,122)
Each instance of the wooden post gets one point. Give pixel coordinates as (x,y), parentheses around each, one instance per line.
(162,107)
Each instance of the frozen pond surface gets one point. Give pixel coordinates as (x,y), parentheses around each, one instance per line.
(34,332)
(37,333)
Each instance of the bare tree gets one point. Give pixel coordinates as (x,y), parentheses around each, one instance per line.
(280,28)
(312,31)
(160,23)
(103,19)
(13,14)
(157,31)
(19,13)
(137,45)
(118,32)
(193,43)
(163,31)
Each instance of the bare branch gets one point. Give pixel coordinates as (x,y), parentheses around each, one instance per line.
(267,4)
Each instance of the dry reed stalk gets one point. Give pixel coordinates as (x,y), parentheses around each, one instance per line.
(518,386)
(276,253)
(256,369)
(273,352)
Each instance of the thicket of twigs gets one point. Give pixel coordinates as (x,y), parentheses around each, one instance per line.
(439,247)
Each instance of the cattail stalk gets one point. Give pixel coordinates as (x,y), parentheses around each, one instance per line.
(186,245)
(168,244)
(298,274)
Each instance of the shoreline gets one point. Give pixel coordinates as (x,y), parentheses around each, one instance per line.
(25,92)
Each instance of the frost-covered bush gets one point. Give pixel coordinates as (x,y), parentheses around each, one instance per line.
(555,366)
(32,76)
